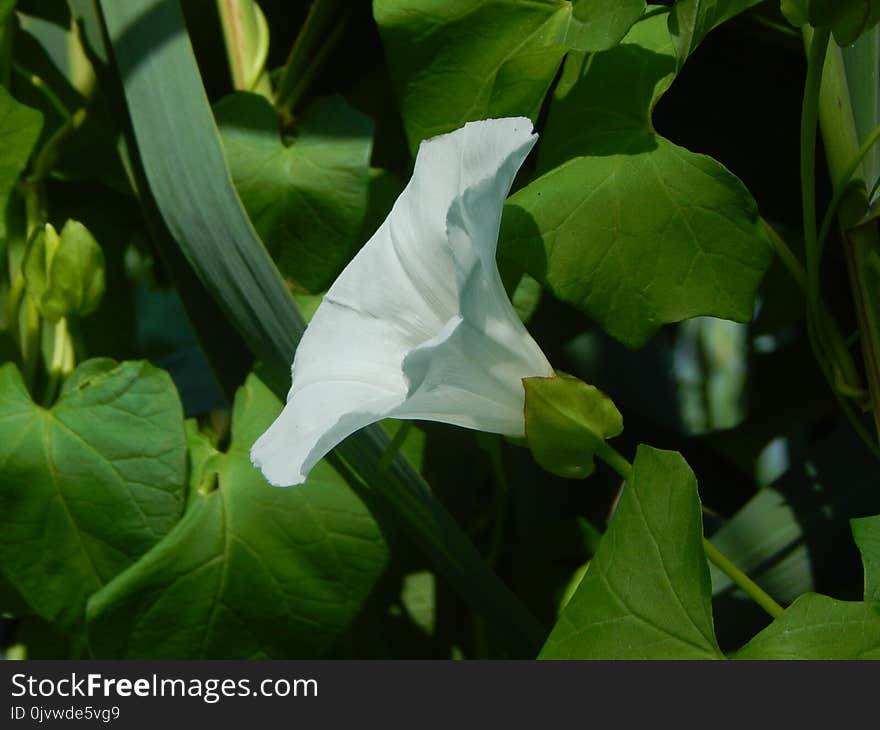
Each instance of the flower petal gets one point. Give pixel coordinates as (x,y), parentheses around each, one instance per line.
(463,378)
(346,375)
(403,288)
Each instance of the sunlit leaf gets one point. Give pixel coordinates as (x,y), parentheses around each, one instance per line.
(646,594)
(626,226)
(454,62)
(306,198)
(251,570)
(819,627)
(88,486)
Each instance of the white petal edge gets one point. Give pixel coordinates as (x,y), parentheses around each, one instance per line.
(401,294)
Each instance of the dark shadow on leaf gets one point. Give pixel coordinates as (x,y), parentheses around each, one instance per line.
(520,245)
(839,480)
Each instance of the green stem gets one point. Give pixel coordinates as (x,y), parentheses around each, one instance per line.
(311,47)
(844,151)
(493,451)
(786,256)
(748,586)
(48,154)
(615,460)
(396,444)
(828,342)
(622,466)
(842,186)
(829,347)
(809,129)
(42,87)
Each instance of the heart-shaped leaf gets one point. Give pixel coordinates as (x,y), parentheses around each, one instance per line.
(626,226)
(455,62)
(251,570)
(88,486)
(307,199)
(646,594)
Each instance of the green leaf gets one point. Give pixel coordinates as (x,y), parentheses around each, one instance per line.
(597,25)
(848,19)
(646,594)
(819,627)
(251,570)
(567,422)
(64,273)
(88,486)
(629,228)
(456,61)
(797,12)
(306,198)
(19,130)
(691,20)
(866,532)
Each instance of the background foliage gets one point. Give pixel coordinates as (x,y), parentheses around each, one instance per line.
(180,182)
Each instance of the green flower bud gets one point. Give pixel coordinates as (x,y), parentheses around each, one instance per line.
(567,423)
(64,274)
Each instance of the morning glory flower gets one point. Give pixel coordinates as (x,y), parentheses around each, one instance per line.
(418,325)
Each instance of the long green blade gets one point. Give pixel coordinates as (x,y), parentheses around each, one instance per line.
(177,142)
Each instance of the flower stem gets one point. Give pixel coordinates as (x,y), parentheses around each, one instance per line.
(615,460)
(749,587)
(786,255)
(622,466)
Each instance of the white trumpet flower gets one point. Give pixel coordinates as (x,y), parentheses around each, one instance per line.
(418,325)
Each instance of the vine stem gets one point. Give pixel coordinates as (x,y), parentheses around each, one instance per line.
(809,131)
(623,467)
(315,40)
(752,589)
(842,187)
(831,352)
